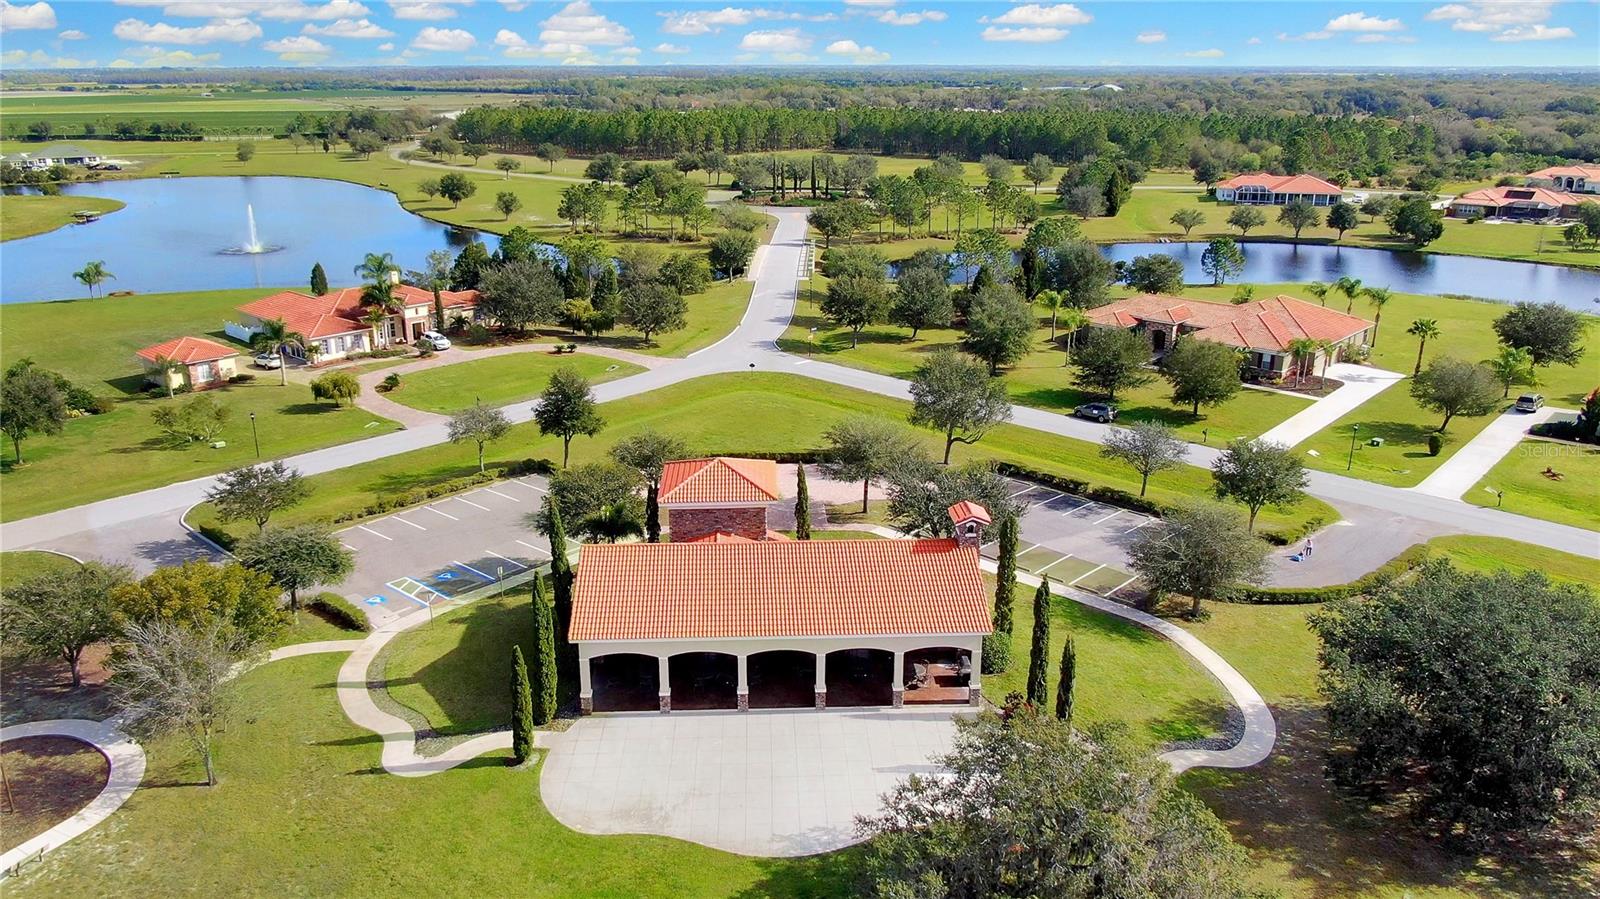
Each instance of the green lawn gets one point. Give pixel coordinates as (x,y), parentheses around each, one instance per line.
(715,415)
(1487,554)
(1040,380)
(498,380)
(19,565)
(1571,495)
(25,216)
(712,316)
(304,807)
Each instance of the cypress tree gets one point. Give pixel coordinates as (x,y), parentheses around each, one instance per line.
(1069,677)
(544,656)
(1038,663)
(1006,575)
(802,505)
(561,584)
(652,513)
(438,311)
(521,708)
(319,280)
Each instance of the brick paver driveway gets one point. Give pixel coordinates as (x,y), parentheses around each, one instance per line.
(776,783)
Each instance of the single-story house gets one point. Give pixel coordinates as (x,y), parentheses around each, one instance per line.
(1263,329)
(1263,189)
(206,363)
(1574,179)
(731,619)
(55,154)
(336,321)
(1529,204)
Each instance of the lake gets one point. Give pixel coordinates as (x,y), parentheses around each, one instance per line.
(181,234)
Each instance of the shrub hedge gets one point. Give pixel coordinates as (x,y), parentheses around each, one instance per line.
(1383,574)
(341,611)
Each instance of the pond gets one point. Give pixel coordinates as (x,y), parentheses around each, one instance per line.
(181,234)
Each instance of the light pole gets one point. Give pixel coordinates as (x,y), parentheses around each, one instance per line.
(255,436)
(1352,460)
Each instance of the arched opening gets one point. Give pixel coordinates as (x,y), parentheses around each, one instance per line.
(704,680)
(858,677)
(782,679)
(937,674)
(625,682)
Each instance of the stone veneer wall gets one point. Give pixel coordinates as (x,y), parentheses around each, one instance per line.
(689,524)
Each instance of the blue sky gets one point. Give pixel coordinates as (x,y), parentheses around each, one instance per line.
(133,33)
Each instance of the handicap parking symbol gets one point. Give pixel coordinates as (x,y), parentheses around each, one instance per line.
(446,575)
(374,600)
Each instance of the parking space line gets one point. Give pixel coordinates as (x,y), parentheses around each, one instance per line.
(501,495)
(488,577)
(506,558)
(534,548)
(1076,509)
(1056,562)
(1030,547)
(445,514)
(1125,583)
(1023,490)
(412,523)
(1108,517)
(1138,526)
(374,533)
(469,502)
(349,547)
(525,484)
(1085,574)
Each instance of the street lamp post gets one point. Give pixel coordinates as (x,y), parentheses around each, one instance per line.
(1352,460)
(255,436)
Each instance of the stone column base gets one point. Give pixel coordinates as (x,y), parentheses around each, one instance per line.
(974,696)
(899,698)
(666,702)
(586,705)
(744,702)
(822,699)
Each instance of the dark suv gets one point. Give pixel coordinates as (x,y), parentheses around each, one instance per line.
(1101,412)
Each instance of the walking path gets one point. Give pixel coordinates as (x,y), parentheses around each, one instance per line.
(1360,383)
(1470,463)
(125,758)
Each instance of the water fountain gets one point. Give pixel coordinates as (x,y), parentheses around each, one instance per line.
(253,246)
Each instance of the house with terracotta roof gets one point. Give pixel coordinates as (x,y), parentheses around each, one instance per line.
(1573,179)
(734,620)
(1262,330)
(1263,189)
(1523,204)
(204,363)
(335,323)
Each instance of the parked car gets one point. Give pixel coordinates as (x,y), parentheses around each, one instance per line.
(268,360)
(433,340)
(1530,402)
(1101,412)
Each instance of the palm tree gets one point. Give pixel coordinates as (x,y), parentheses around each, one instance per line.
(1302,350)
(1073,320)
(167,366)
(1319,290)
(375,267)
(375,317)
(276,338)
(1054,301)
(1378,297)
(1423,329)
(1351,288)
(613,522)
(1326,348)
(93,274)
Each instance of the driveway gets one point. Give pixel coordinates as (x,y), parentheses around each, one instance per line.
(1470,463)
(779,783)
(1361,383)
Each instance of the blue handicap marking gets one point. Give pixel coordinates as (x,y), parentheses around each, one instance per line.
(375,600)
(446,575)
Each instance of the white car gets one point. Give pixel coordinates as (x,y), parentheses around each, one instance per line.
(433,340)
(268,360)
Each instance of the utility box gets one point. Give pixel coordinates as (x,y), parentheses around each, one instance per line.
(1376,441)
(219,444)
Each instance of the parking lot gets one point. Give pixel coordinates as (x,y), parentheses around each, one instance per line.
(1077,542)
(427,555)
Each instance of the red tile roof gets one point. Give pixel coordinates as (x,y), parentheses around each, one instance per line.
(1283,184)
(719,481)
(1591,172)
(730,537)
(340,311)
(188,350)
(1269,324)
(1502,196)
(797,588)
(964,510)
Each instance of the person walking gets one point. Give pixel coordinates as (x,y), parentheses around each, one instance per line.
(1306,553)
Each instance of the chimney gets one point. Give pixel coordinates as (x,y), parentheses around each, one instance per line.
(970,520)
(394,278)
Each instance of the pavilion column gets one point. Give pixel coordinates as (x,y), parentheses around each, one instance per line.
(899,683)
(664,682)
(585,687)
(975,680)
(744,682)
(821,688)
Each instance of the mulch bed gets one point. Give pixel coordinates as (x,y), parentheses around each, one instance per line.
(38,688)
(49,779)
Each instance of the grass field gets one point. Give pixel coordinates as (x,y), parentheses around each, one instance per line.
(498,380)
(25,216)
(1572,496)
(19,565)
(748,412)
(1040,380)
(1488,554)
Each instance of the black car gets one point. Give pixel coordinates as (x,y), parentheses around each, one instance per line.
(1101,412)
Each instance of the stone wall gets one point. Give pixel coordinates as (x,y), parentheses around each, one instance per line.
(689,524)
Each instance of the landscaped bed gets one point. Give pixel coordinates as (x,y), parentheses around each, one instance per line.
(47,780)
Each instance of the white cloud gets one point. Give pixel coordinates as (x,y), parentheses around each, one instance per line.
(423,10)
(159,57)
(296,44)
(1360,21)
(891,17)
(72,34)
(1038,14)
(1492,15)
(285,10)
(671,49)
(446,40)
(869,2)
(1024,35)
(1533,33)
(786,40)
(514,5)
(1377,38)
(21,18)
(1253,41)
(1151,37)
(705,21)
(386,46)
(1308,36)
(1212,53)
(230,30)
(351,28)
(297,11)
(578,23)
(857,53)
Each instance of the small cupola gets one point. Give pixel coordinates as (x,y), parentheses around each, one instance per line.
(970,519)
